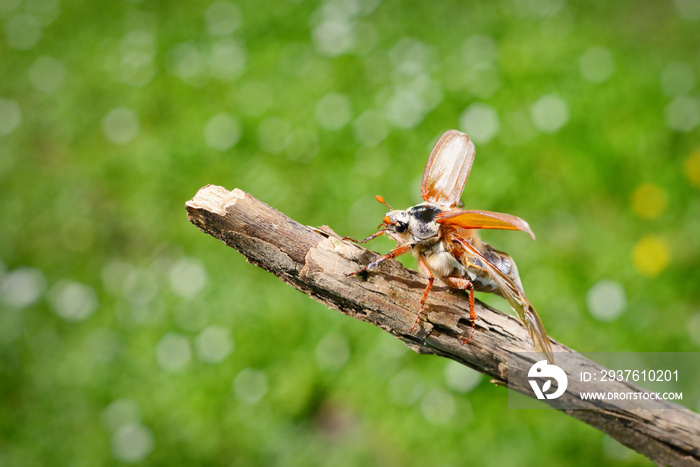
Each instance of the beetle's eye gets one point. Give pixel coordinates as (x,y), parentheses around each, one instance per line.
(401,227)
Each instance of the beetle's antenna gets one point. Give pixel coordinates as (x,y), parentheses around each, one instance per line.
(380,198)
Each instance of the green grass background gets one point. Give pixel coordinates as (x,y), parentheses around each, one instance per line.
(107,289)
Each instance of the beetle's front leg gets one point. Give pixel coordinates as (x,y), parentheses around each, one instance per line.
(371,237)
(392,254)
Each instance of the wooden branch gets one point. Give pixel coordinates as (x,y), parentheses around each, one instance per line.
(314,261)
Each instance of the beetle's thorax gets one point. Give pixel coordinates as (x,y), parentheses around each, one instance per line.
(416,225)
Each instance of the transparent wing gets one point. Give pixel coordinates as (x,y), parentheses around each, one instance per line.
(517,300)
(484,220)
(447,169)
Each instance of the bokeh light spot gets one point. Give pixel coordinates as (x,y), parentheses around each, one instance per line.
(649,201)
(137,51)
(339,8)
(480,122)
(22,32)
(333,111)
(46,74)
(688,9)
(132,442)
(596,64)
(119,413)
(370,128)
(140,286)
(544,8)
(173,352)
(188,277)
(606,300)
(227,60)
(250,385)
(557,27)
(73,301)
(438,407)
(405,109)
(22,287)
(682,113)
(120,125)
(222,18)
(222,132)
(9,5)
(691,167)
(113,274)
(366,38)
(10,116)
(45,11)
(213,344)
(430,91)
(333,37)
(460,378)
(479,52)
(694,328)
(406,388)
(188,63)
(411,57)
(332,352)
(677,79)
(549,113)
(651,255)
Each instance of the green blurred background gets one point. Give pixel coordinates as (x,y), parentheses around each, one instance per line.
(127,335)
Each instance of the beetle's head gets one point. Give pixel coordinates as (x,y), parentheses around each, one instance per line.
(413,225)
(396,224)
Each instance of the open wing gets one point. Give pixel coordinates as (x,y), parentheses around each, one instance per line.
(447,169)
(517,300)
(483,220)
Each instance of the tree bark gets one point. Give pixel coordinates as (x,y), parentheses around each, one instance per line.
(315,262)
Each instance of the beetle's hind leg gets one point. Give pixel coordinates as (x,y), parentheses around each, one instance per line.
(465,284)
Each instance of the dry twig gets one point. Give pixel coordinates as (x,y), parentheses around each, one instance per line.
(314,261)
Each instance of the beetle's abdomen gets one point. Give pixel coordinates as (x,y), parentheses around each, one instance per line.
(504,263)
(473,267)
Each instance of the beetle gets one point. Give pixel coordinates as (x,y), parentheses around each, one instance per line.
(445,241)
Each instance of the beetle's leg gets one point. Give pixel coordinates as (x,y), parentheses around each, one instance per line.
(371,237)
(392,254)
(426,271)
(465,284)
